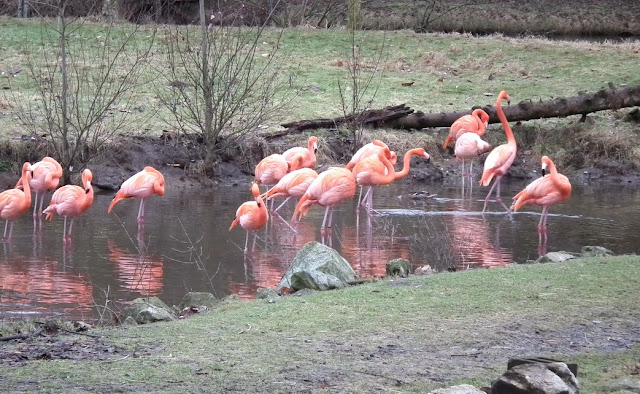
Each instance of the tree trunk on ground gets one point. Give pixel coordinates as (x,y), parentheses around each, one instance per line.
(402,117)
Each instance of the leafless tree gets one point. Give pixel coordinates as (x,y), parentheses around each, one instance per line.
(221,83)
(429,11)
(83,86)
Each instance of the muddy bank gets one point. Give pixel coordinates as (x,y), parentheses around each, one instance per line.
(180,162)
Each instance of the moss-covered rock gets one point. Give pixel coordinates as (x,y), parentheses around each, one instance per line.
(398,267)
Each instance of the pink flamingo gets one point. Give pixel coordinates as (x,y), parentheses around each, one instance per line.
(545,191)
(308,154)
(475,123)
(251,215)
(142,185)
(371,149)
(15,202)
(468,147)
(377,171)
(501,157)
(327,190)
(46,176)
(71,201)
(294,184)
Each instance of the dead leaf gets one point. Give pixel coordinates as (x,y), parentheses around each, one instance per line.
(408,83)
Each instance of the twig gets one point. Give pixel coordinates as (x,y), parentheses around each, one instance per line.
(247,330)
(23,336)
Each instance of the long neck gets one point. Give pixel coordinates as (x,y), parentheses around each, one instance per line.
(503,119)
(312,153)
(407,163)
(390,174)
(553,171)
(262,206)
(88,196)
(27,189)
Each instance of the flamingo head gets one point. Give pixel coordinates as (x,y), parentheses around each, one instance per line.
(504,96)
(393,157)
(379,143)
(545,165)
(484,117)
(255,189)
(87,177)
(313,143)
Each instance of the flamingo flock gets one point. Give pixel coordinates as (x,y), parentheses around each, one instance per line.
(292,174)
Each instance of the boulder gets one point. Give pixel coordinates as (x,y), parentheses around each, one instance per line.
(148,310)
(267,294)
(398,267)
(317,267)
(622,385)
(460,389)
(556,257)
(547,378)
(595,251)
(198,299)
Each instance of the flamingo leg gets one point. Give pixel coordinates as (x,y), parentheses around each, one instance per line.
(498,199)
(359,197)
(365,199)
(255,236)
(10,229)
(326,211)
(64,230)
(486,200)
(41,203)
(70,227)
(6,225)
(330,218)
(281,205)
(471,168)
(246,242)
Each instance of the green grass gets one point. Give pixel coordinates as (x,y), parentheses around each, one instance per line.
(413,332)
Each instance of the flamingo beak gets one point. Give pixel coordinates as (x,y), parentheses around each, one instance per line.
(426,155)
(88,189)
(545,169)
(315,147)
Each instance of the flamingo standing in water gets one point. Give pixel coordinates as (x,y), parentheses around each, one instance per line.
(501,157)
(251,215)
(468,147)
(15,202)
(71,201)
(46,176)
(475,123)
(371,149)
(546,191)
(142,185)
(294,184)
(378,170)
(308,154)
(328,189)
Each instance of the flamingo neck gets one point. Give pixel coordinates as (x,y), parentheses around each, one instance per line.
(26,189)
(406,164)
(503,119)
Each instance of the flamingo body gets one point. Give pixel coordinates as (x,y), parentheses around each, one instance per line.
(371,149)
(468,147)
(545,191)
(251,215)
(271,169)
(328,189)
(308,154)
(141,185)
(475,123)
(501,157)
(71,201)
(294,184)
(15,202)
(46,176)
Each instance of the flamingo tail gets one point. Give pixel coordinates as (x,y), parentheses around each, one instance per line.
(447,142)
(233,224)
(49,212)
(487,176)
(300,208)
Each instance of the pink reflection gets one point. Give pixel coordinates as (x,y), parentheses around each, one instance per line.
(37,287)
(137,272)
(471,241)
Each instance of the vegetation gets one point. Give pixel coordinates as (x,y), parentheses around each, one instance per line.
(410,335)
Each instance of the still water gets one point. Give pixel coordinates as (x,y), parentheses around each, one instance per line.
(186,246)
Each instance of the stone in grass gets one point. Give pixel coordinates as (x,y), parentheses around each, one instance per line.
(460,389)
(595,251)
(556,257)
(317,267)
(398,267)
(537,378)
(267,294)
(148,310)
(198,299)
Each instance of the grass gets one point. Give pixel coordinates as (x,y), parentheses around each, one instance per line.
(412,334)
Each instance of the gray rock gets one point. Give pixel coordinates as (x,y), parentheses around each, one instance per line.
(632,385)
(556,257)
(129,321)
(148,310)
(198,299)
(317,267)
(267,294)
(460,389)
(544,378)
(398,267)
(595,251)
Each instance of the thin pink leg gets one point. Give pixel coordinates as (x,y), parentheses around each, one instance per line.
(141,211)
(500,199)
(35,205)
(246,242)
(486,200)
(70,228)
(6,226)
(281,205)
(64,230)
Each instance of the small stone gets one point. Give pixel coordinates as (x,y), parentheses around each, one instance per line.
(595,251)
(460,389)
(398,267)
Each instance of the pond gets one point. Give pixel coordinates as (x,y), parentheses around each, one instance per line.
(186,246)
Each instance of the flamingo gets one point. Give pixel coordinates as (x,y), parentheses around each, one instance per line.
(545,191)
(294,184)
(15,202)
(501,157)
(308,154)
(46,176)
(251,215)
(142,185)
(371,149)
(469,146)
(475,123)
(328,189)
(378,170)
(71,201)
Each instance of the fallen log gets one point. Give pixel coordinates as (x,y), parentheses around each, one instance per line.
(403,117)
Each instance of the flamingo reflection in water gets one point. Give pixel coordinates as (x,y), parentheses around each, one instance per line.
(138,272)
(41,286)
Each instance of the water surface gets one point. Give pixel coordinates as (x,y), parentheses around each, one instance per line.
(186,246)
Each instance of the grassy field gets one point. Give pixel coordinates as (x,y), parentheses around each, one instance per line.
(450,72)
(400,335)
